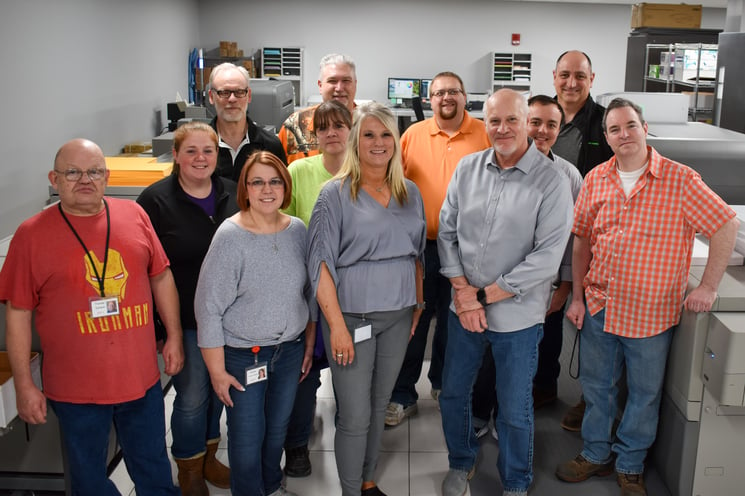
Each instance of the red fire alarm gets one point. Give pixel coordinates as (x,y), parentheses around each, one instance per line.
(515,39)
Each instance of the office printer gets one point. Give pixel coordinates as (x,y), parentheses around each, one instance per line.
(272,101)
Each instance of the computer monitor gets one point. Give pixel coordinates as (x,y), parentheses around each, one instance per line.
(425,89)
(402,90)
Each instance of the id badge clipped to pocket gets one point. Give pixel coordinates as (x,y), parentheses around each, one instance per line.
(363,331)
(258,371)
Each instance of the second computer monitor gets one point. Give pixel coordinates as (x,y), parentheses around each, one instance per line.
(425,88)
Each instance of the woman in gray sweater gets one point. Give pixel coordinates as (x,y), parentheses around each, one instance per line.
(253,322)
(367,236)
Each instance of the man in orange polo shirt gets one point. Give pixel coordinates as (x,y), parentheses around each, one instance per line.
(431,150)
(635,221)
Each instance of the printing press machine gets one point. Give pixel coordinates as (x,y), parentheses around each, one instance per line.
(701,432)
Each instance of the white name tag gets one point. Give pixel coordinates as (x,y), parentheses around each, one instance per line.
(363,332)
(256,373)
(104,307)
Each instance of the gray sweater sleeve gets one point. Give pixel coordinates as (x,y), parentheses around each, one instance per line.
(216,289)
(324,234)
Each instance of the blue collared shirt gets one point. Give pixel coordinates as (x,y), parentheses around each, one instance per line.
(508,226)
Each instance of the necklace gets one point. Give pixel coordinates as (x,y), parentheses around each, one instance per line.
(275,243)
(379,189)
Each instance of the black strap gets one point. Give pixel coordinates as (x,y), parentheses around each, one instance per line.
(575,347)
(85,248)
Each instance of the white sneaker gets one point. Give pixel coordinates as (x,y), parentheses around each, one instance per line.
(395,413)
(435,394)
(456,482)
(481,431)
(282,492)
(494,433)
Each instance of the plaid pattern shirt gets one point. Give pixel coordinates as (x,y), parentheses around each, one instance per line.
(641,244)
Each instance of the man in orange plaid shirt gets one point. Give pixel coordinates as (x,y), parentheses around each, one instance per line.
(635,221)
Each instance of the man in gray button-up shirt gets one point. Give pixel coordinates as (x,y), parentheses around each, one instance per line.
(503,229)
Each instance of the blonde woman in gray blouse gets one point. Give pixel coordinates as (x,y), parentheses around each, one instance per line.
(366,242)
(253,327)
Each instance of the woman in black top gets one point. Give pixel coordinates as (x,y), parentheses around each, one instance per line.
(186,208)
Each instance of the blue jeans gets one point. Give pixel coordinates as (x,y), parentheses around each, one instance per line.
(300,425)
(437,301)
(304,410)
(515,360)
(602,359)
(141,430)
(196,408)
(484,403)
(547,375)
(257,422)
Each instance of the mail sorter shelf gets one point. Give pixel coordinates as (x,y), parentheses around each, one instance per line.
(511,70)
(285,63)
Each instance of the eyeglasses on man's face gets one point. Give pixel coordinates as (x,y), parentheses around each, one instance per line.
(74,175)
(449,92)
(274,183)
(226,93)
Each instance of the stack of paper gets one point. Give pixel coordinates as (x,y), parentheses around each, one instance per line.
(136,171)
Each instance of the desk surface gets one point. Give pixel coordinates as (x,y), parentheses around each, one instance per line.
(407,112)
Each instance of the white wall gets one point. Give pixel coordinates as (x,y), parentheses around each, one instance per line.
(420,38)
(82,68)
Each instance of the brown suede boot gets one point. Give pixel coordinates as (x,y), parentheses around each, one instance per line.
(191,478)
(215,472)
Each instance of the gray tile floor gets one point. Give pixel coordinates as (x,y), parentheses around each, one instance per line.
(414,456)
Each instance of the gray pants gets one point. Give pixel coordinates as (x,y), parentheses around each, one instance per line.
(363,390)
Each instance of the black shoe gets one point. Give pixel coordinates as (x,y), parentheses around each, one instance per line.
(372,491)
(297,462)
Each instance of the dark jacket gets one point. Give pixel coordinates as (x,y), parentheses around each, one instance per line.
(258,138)
(595,149)
(185,231)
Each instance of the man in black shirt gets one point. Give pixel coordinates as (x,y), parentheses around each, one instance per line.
(230,93)
(581,141)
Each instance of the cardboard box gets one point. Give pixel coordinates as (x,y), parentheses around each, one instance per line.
(138,147)
(705,100)
(8,409)
(663,15)
(691,62)
(198,77)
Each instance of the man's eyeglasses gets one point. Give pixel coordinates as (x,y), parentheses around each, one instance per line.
(450,92)
(258,184)
(74,175)
(226,93)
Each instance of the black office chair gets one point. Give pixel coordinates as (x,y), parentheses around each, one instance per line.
(416,104)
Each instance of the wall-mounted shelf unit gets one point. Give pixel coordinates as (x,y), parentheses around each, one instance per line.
(511,70)
(284,63)
(688,68)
